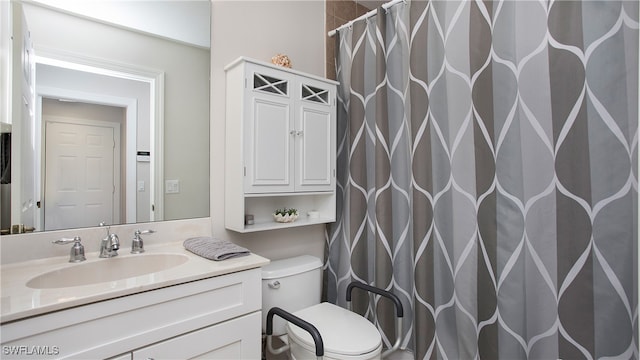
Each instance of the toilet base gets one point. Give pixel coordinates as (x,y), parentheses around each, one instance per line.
(298,352)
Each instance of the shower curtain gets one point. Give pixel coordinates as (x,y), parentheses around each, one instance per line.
(487,175)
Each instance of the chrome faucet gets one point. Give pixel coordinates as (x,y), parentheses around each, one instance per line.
(110,244)
(137,246)
(77,250)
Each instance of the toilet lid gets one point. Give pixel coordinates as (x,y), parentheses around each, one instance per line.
(342,331)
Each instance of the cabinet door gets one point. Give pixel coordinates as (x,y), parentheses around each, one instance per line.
(239,338)
(268,133)
(315,138)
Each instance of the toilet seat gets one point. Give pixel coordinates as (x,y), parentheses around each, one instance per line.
(345,334)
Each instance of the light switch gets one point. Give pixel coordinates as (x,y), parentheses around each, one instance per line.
(172,186)
(141,186)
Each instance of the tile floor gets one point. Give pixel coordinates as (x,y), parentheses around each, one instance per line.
(398,355)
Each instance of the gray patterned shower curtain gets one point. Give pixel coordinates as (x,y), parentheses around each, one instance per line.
(487,175)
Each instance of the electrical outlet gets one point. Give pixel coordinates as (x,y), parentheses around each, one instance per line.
(172,186)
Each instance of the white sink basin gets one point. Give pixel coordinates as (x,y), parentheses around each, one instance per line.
(105,270)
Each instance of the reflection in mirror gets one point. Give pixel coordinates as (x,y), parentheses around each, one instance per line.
(68,127)
(116,126)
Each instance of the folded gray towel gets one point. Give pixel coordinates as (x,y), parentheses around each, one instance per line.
(214,249)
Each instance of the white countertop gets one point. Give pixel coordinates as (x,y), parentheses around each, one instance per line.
(19,301)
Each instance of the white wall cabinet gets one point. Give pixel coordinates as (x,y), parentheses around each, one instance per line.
(280,145)
(214,318)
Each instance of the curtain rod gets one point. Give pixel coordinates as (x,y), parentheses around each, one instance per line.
(364,16)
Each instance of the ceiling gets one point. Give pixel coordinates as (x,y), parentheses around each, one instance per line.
(182,20)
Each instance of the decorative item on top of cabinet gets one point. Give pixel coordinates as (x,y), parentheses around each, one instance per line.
(280,145)
(281,60)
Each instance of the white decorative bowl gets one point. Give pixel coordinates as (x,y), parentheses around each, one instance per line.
(285,218)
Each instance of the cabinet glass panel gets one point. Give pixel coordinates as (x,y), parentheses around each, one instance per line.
(315,94)
(270,84)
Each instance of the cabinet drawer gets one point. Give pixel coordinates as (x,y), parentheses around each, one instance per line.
(234,339)
(113,327)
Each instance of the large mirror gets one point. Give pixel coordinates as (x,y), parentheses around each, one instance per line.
(109,112)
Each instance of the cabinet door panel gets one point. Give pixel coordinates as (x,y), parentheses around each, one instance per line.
(235,339)
(270,145)
(314,165)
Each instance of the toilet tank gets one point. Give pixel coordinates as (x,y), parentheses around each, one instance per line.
(290,284)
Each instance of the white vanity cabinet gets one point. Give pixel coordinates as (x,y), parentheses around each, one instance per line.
(280,145)
(230,340)
(213,318)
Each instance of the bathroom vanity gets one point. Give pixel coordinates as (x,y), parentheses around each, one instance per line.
(191,307)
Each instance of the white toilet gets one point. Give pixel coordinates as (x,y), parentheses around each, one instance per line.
(295,285)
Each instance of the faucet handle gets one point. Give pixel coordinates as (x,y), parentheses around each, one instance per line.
(137,246)
(77,250)
(63,241)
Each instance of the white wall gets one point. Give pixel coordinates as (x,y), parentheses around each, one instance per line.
(260,30)
(5,66)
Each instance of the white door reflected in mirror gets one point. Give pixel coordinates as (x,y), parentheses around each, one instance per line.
(82,174)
